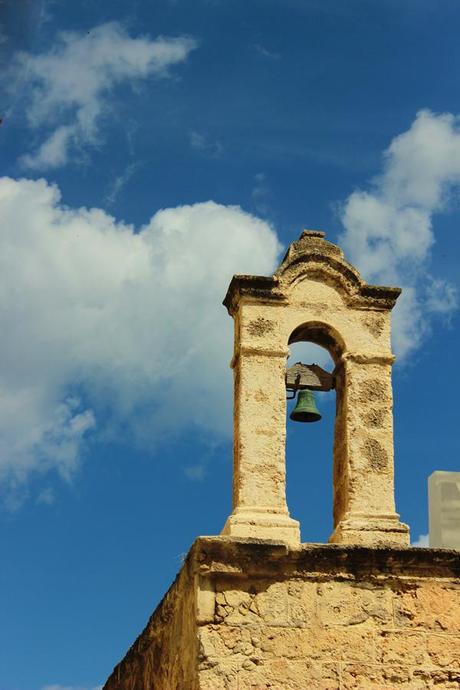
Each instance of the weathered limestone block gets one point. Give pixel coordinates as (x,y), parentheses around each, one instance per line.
(435,606)
(351,604)
(255,615)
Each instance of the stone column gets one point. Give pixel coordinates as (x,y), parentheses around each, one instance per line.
(364,506)
(259,475)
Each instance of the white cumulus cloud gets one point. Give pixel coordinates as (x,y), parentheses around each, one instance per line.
(389,229)
(69,87)
(105,327)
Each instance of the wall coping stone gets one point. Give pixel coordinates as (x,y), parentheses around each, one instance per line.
(250,557)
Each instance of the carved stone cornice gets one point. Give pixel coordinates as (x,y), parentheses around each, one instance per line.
(311,257)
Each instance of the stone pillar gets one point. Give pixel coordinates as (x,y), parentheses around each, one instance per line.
(259,474)
(364,506)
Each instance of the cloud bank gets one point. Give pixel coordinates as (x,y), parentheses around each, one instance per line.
(69,88)
(389,229)
(106,328)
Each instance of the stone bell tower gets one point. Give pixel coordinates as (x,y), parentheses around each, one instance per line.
(315,295)
(253,608)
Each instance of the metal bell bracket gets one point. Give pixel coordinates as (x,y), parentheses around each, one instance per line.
(312,376)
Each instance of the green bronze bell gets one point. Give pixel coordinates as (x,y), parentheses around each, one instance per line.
(305,409)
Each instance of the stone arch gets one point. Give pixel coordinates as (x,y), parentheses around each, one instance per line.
(325,335)
(337,274)
(320,333)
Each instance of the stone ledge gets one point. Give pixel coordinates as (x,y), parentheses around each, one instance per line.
(271,559)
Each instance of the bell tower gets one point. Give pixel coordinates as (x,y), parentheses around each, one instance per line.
(253,608)
(315,295)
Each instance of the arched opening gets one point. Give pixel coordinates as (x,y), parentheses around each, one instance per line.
(310,446)
(321,334)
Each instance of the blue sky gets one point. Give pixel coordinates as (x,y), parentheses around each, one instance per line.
(149,151)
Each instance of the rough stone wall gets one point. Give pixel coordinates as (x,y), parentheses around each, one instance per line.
(319,617)
(332,635)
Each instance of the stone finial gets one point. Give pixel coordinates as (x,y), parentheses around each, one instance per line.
(312,233)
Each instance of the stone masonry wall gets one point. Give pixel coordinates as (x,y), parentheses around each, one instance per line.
(325,617)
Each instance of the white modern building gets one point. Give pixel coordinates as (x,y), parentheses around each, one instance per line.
(444,509)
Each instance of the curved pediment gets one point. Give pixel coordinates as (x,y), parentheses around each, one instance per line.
(311,257)
(314,258)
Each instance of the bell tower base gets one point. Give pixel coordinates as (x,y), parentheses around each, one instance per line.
(365,530)
(245,614)
(260,524)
